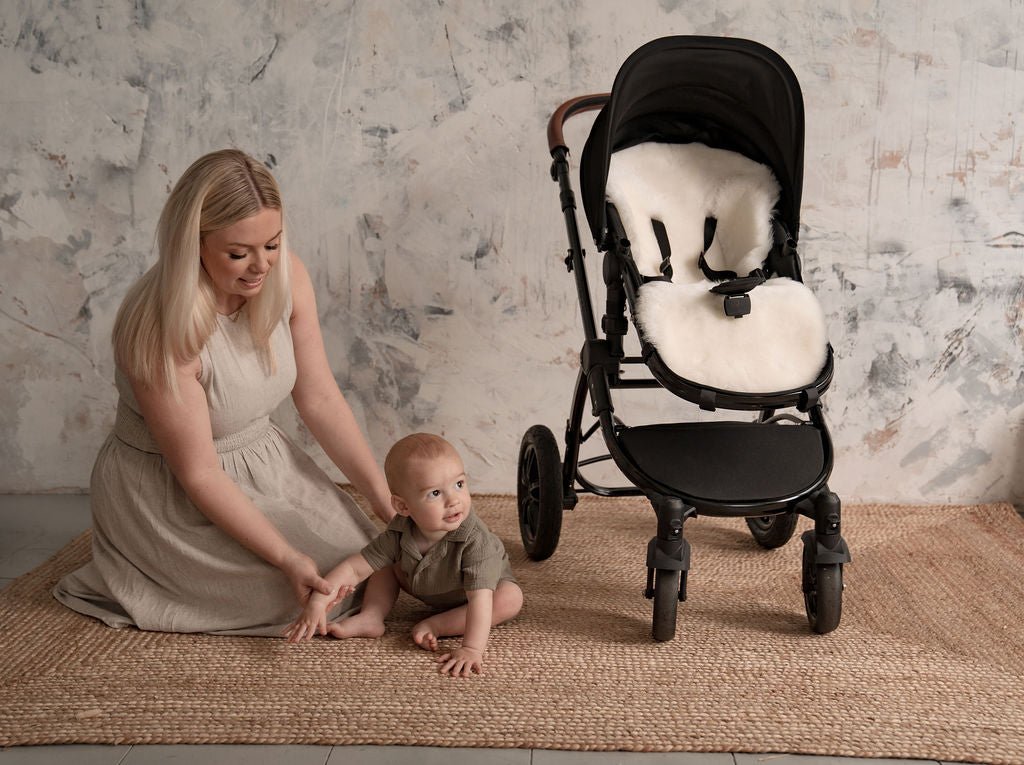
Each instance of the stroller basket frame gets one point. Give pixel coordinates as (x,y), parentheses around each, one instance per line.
(765,472)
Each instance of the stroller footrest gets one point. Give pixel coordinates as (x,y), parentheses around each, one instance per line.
(728,461)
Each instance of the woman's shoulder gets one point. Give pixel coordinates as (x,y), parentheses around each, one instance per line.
(126,382)
(301,283)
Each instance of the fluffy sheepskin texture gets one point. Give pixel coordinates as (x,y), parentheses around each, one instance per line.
(682,184)
(782,343)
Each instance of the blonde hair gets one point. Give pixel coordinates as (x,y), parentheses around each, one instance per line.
(170,312)
(424,446)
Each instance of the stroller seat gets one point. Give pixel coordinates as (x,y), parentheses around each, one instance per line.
(728,461)
(782,343)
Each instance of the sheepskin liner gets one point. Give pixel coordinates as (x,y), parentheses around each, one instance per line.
(782,344)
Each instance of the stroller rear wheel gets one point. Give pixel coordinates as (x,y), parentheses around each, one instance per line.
(771,531)
(539,492)
(666,601)
(823,592)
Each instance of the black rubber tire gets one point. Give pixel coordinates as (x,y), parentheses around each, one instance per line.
(823,593)
(771,531)
(539,492)
(666,603)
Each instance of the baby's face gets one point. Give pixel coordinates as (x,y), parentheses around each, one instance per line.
(435,494)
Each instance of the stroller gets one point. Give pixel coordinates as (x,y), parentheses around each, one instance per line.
(691,180)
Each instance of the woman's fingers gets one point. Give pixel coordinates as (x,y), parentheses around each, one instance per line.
(318,583)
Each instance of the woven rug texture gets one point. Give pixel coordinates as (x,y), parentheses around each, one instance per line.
(928,661)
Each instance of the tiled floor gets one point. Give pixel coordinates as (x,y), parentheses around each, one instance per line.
(32,528)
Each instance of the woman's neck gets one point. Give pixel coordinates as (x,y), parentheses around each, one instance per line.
(233,305)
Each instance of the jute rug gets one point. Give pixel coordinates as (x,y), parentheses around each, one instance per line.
(927,662)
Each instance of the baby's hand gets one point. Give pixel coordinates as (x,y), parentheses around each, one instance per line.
(343,592)
(462,662)
(301,629)
(312,620)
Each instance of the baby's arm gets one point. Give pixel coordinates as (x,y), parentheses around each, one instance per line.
(343,578)
(469,657)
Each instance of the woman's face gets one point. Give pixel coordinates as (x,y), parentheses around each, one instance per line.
(238,258)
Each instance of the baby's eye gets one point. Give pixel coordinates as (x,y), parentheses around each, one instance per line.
(236,255)
(460,484)
(435,493)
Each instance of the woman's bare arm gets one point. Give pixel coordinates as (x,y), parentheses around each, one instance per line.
(321,404)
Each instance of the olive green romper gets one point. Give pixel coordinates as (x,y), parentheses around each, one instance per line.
(469,558)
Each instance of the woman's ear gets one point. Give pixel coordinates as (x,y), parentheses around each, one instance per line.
(399,504)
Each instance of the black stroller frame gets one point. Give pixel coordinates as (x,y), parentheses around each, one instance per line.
(775,472)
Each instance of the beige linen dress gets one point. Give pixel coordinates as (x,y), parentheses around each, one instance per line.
(157,562)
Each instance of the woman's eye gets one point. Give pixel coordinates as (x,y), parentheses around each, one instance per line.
(236,255)
(271,247)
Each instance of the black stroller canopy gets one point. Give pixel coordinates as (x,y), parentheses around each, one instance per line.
(727,93)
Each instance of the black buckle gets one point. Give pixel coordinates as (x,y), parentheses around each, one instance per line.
(737,306)
(737,301)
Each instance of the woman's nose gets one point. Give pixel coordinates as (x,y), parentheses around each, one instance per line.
(259,264)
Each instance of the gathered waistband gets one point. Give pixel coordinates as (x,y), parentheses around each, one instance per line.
(130,428)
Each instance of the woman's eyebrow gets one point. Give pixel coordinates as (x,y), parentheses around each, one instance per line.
(246,244)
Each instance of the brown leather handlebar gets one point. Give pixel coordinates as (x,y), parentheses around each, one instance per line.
(567,110)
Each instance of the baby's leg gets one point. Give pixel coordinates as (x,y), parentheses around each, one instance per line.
(508,600)
(381,593)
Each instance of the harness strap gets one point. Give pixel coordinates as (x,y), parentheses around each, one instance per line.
(710,226)
(661,234)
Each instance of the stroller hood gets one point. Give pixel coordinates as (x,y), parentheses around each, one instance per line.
(726,93)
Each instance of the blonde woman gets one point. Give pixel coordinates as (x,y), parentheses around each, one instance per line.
(206,518)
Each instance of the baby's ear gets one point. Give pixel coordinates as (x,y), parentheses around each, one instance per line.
(399,504)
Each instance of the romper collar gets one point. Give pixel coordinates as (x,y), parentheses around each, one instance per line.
(404,525)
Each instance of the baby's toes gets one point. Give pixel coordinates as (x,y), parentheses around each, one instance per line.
(425,639)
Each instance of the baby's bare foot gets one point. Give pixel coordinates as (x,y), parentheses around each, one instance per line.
(423,636)
(359,625)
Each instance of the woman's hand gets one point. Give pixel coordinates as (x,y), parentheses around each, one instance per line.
(383,509)
(304,577)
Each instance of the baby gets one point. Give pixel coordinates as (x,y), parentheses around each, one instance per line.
(437,550)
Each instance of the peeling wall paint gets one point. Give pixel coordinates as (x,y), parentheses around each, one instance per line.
(409,139)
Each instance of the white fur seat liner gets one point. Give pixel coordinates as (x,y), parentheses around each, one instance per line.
(782,343)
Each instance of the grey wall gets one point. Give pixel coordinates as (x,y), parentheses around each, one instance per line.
(409,141)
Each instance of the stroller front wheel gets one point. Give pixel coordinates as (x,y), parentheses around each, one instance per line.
(823,593)
(666,602)
(539,492)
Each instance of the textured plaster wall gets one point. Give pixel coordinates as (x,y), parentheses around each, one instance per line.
(409,138)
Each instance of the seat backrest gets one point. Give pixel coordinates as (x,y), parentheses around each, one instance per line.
(681,185)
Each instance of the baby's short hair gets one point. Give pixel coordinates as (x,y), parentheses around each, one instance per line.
(414,446)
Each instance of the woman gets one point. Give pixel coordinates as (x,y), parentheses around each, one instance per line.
(206,518)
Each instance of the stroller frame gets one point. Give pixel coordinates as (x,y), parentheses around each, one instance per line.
(547,485)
